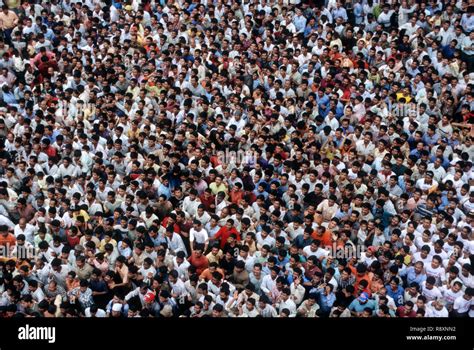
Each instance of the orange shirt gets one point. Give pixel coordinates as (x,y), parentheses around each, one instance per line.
(207,274)
(325,238)
(9,240)
(236,196)
(200,263)
(367,277)
(71,284)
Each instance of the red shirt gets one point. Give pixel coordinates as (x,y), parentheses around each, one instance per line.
(200,263)
(224,234)
(207,201)
(401,312)
(50,151)
(73,241)
(164,223)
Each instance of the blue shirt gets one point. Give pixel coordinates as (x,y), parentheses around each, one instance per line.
(358,13)
(337,141)
(348,130)
(412,276)
(9,98)
(157,240)
(339,12)
(282,263)
(327,301)
(397,295)
(290,279)
(308,29)
(445,163)
(340,112)
(340,214)
(431,140)
(264,193)
(415,153)
(322,101)
(444,201)
(300,242)
(401,183)
(162,189)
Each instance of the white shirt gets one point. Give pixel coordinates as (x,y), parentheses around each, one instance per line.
(288,304)
(432,312)
(422,185)
(200,237)
(267,283)
(319,253)
(430,294)
(364,149)
(29,232)
(450,296)
(181,269)
(190,206)
(99,313)
(462,305)
(178,288)
(267,240)
(437,273)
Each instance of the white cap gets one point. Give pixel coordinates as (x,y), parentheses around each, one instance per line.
(117,307)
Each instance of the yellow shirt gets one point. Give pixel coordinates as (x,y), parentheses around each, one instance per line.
(83,214)
(12,4)
(103,243)
(407,97)
(216,189)
(406,259)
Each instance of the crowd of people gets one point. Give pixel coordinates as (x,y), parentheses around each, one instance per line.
(236,158)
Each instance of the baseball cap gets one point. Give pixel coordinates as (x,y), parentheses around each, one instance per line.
(363,297)
(149,297)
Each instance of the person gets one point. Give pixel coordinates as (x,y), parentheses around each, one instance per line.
(361,304)
(463,303)
(7,240)
(198,260)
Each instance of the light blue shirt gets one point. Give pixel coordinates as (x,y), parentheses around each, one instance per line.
(300,23)
(358,307)
(412,276)
(339,12)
